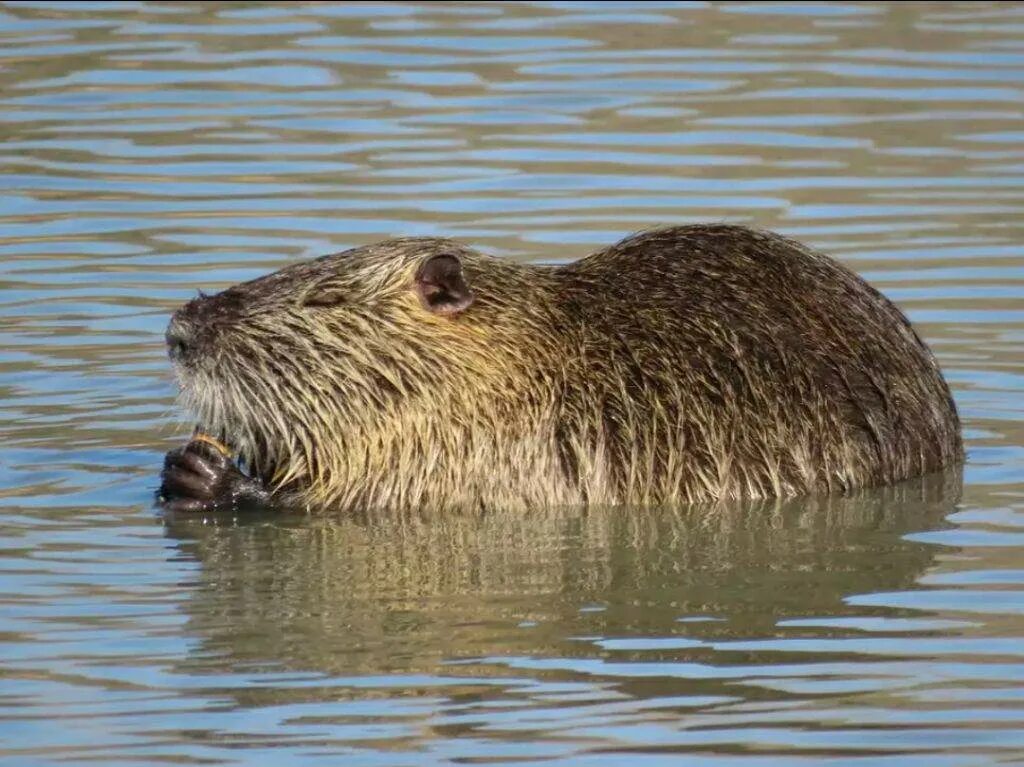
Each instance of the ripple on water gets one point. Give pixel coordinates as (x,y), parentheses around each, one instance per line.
(150,150)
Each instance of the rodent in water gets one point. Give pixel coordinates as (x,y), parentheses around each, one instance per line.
(683,364)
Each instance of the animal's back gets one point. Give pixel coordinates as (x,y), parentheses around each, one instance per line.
(717,361)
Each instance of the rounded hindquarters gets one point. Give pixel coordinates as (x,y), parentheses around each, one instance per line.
(741,363)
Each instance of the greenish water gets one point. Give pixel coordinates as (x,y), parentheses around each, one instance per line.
(151,149)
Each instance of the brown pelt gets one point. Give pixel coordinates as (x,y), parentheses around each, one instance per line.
(681,364)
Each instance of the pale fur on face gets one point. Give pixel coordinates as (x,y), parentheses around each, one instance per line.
(336,386)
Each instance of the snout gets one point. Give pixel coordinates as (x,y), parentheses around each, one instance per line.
(198,326)
(191,329)
(183,335)
(180,337)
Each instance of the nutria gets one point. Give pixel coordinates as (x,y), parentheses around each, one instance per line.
(683,364)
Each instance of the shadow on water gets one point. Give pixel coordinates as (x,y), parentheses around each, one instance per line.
(353,597)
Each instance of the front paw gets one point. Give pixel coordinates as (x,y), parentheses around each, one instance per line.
(198,477)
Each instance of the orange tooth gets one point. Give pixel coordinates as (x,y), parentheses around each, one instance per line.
(200,436)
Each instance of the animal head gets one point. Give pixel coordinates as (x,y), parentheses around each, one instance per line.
(334,355)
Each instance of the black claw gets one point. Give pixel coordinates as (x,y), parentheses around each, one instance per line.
(173,457)
(202,467)
(207,453)
(178,481)
(198,477)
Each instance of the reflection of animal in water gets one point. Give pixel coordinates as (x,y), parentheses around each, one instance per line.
(685,364)
(346,596)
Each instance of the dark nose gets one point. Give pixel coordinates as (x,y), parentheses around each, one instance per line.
(197,327)
(180,336)
(188,327)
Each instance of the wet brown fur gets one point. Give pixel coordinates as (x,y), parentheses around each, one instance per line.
(682,364)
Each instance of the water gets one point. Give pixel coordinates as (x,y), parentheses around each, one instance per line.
(150,149)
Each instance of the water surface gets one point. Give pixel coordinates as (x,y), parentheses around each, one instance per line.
(148,150)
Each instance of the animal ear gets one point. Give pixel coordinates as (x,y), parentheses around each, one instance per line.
(441,287)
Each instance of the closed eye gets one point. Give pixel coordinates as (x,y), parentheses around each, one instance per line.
(326,295)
